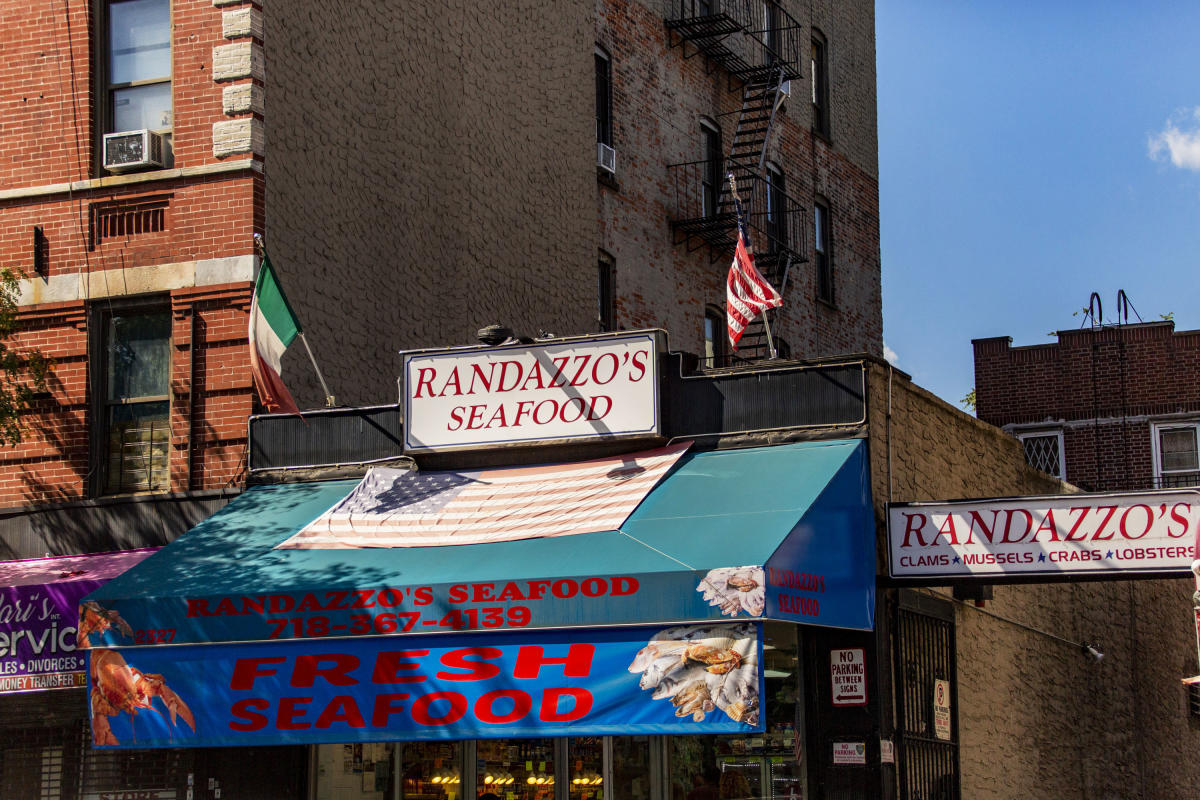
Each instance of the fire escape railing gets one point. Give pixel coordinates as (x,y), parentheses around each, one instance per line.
(702,212)
(749,38)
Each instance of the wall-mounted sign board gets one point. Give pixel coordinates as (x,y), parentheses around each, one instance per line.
(601,388)
(1115,533)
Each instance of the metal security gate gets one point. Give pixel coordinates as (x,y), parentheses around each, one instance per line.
(927,698)
(46,754)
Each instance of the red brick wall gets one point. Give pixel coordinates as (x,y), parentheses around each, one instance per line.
(47,103)
(1103,388)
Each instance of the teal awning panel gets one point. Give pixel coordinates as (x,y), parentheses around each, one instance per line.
(716,511)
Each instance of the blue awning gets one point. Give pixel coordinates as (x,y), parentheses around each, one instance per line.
(784,532)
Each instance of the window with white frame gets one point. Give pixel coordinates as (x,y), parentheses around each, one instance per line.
(138,66)
(1044,451)
(1176,461)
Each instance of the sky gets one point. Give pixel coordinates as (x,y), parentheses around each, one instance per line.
(1031,153)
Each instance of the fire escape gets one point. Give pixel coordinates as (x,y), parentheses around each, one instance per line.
(758,44)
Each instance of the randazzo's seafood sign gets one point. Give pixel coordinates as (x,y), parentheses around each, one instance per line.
(1060,535)
(504,395)
(681,679)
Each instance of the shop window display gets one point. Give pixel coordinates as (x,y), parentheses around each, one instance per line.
(765,766)
(515,769)
(359,771)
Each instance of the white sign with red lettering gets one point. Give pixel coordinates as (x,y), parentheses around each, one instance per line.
(601,388)
(1060,535)
(848,674)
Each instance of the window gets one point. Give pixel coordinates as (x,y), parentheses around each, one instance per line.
(715,337)
(819,70)
(776,220)
(606,312)
(138,68)
(132,390)
(1175,454)
(710,180)
(770,30)
(822,250)
(604,133)
(1044,451)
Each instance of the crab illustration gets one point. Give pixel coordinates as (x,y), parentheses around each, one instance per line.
(700,668)
(93,618)
(695,699)
(119,688)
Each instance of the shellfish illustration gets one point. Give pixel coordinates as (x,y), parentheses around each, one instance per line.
(734,589)
(700,668)
(118,688)
(94,618)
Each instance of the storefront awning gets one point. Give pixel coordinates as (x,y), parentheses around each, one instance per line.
(658,622)
(40,620)
(783,532)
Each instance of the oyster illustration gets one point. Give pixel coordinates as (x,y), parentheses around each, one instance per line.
(703,667)
(734,589)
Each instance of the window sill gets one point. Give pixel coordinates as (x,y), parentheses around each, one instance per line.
(132,178)
(607,179)
(829,304)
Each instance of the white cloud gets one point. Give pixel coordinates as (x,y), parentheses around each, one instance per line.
(1180,140)
(890,355)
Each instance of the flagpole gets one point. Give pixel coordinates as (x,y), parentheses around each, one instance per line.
(737,204)
(330,400)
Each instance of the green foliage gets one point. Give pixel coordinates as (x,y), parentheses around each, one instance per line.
(1169,316)
(23,372)
(968,401)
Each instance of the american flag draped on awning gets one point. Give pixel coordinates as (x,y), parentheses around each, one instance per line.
(398,508)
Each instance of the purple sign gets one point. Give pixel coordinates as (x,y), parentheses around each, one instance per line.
(40,617)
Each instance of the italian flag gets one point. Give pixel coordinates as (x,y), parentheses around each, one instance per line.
(273,326)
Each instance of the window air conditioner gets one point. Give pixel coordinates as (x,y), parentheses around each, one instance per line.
(134,150)
(606,158)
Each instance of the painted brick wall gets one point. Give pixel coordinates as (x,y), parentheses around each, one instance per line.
(430,172)
(196,254)
(1103,388)
(1036,718)
(659,98)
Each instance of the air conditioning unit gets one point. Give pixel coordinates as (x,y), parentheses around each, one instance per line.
(606,158)
(134,150)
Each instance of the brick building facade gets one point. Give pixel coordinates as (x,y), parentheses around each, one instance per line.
(1112,408)
(427,173)
(1109,408)
(152,264)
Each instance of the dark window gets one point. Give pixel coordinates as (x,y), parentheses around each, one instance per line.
(710,181)
(715,338)
(606,279)
(822,249)
(604,134)
(132,391)
(703,8)
(782,349)
(776,209)
(819,70)
(770,31)
(137,87)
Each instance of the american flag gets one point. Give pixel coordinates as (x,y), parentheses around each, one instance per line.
(747,293)
(398,508)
